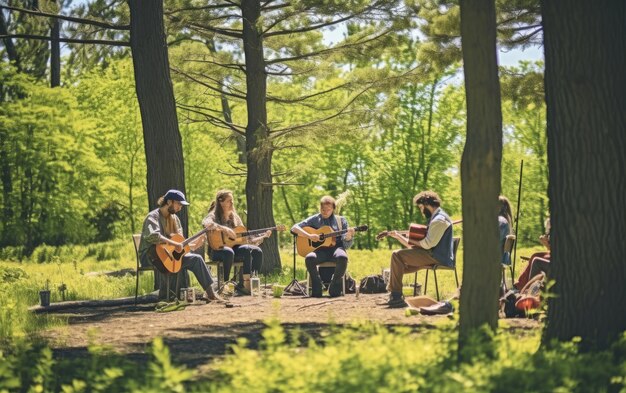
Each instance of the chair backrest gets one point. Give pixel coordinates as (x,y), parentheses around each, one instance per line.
(509,243)
(136,241)
(455,247)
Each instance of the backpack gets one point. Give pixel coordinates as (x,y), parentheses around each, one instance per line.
(373,284)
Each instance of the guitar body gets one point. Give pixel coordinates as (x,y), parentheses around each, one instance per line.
(219,239)
(239,240)
(417,232)
(167,259)
(305,245)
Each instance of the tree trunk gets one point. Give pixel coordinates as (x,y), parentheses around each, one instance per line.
(8,43)
(480,172)
(585,51)
(55,54)
(259,191)
(155,94)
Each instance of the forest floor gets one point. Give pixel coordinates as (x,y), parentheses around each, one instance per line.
(203,332)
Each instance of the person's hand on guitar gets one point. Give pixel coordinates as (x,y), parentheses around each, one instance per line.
(178,247)
(229,232)
(314,236)
(349,234)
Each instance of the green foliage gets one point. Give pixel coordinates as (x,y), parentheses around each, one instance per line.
(371,358)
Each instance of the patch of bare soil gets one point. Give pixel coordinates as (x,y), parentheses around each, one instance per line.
(201,332)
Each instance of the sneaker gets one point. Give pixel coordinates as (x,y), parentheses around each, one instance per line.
(241,290)
(397,302)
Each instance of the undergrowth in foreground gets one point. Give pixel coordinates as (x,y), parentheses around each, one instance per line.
(361,358)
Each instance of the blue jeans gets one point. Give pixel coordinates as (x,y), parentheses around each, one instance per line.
(251,256)
(327,254)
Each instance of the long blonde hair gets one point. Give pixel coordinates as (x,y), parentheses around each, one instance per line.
(217,207)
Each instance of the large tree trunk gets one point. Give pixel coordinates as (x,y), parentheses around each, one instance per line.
(259,191)
(480,171)
(164,150)
(585,51)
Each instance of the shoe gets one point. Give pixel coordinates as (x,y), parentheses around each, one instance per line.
(396,301)
(335,289)
(440,308)
(241,290)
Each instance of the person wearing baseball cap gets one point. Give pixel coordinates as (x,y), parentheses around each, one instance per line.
(162,222)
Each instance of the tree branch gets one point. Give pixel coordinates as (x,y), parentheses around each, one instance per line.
(91,22)
(329,50)
(67,40)
(186,75)
(206,7)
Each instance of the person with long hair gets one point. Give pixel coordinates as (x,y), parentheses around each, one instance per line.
(505,225)
(162,222)
(222,216)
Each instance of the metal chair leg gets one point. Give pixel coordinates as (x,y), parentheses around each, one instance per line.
(136,286)
(426,282)
(415,285)
(436,284)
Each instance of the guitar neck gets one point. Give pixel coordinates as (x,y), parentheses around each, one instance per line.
(194,237)
(255,232)
(334,234)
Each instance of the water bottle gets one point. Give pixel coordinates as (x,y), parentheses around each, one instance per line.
(255,285)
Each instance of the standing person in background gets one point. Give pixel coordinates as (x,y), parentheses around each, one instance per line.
(223,216)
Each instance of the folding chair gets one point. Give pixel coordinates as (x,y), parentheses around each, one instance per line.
(139,268)
(437,266)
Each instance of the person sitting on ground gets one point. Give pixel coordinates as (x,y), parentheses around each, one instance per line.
(538,262)
(435,248)
(159,224)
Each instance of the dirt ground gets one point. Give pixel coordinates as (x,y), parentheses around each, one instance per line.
(202,332)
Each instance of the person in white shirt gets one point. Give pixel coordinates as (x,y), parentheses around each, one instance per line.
(435,248)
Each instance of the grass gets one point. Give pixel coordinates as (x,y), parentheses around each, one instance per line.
(69,267)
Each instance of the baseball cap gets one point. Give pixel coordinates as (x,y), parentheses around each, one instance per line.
(175,195)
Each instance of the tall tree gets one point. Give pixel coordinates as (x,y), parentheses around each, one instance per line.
(585,51)
(162,141)
(480,170)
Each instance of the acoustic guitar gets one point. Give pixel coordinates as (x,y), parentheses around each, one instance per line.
(165,257)
(328,238)
(219,239)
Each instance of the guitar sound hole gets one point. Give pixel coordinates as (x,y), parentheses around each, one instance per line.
(177,255)
(317,244)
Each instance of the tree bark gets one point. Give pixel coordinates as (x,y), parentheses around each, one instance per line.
(8,43)
(155,94)
(480,171)
(585,52)
(259,191)
(55,54)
